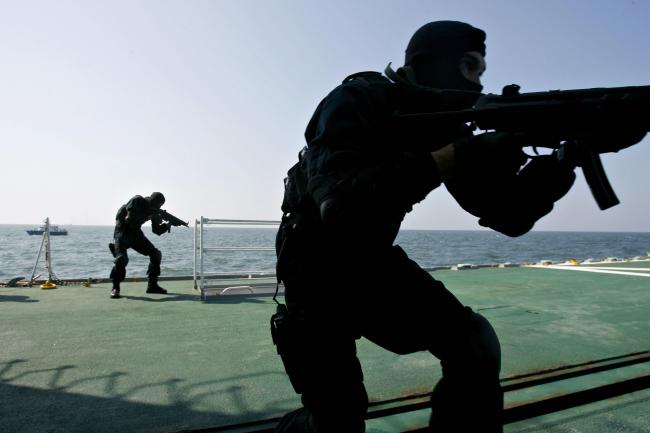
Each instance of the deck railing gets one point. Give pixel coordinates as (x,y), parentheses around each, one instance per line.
(200,250)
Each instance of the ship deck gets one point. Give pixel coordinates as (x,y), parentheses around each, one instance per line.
(576,355)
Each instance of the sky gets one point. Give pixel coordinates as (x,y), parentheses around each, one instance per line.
(207,101)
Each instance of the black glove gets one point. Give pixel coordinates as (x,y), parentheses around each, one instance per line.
(542,182)
(491,152)
(511,204)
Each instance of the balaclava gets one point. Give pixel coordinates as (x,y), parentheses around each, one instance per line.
(435,50)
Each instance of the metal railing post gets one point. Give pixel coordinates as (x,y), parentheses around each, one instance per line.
(194,246)
(201,257)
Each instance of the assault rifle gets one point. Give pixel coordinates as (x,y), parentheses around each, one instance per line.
(171,219)
(591,120)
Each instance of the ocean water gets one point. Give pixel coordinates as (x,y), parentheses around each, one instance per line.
(84,252)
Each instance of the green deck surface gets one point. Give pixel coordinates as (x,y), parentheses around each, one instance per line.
(73,360)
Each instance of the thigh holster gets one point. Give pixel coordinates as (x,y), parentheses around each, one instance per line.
(286,335)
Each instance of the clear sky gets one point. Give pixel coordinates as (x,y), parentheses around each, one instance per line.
(207,101)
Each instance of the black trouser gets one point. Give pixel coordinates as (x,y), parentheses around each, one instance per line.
(134,239)
(398,306)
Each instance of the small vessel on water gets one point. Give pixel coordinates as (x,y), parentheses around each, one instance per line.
(54,231)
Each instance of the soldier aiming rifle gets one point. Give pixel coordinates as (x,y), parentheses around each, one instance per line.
(128,234)
(371,155)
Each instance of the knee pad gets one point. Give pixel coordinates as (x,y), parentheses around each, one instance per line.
(475,349)
(484,347)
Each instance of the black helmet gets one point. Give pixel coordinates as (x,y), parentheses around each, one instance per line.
(444,38)
(156,199)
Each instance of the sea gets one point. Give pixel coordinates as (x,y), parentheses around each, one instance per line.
(84,253)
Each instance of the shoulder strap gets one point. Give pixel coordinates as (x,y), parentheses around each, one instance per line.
(367,76)
(403,75)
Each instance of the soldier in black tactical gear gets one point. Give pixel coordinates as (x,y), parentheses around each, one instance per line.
(128,234)
(362,170)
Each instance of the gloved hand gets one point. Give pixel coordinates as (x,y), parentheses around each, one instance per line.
(548,177)
(495,152)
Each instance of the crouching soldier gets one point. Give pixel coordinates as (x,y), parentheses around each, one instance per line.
(128,234)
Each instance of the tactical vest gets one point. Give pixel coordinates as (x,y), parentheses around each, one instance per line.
(296,196)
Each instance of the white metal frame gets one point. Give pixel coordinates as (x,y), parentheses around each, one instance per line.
(200,249)
(51,276)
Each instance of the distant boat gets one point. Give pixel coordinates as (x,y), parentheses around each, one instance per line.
(54,231)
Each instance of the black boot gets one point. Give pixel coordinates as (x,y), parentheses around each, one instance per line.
(115,291)
(153,287)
